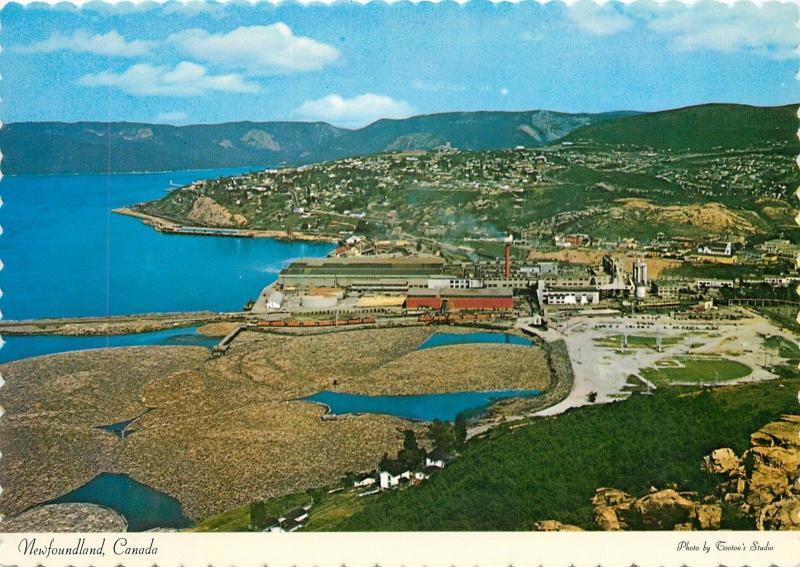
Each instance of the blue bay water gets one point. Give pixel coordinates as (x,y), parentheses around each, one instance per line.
(66,254)
(424,407)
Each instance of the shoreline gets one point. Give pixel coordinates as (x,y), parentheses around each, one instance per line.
(170,227)
(114,325)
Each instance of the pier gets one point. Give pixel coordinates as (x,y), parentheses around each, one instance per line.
(223,346)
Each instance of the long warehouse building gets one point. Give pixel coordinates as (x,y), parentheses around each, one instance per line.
(360,271)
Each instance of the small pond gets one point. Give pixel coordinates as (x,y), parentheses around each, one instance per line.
(449,339)
(120,428)
(425,407)
(143,507)
(17,347)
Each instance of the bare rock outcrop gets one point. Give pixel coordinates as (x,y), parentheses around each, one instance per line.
(611,505)
(722,461)
(206,211)
(766,479)
(555,526)
(764,484)
(665,509)
(782,514)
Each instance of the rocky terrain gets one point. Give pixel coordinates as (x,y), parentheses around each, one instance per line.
(765,481)
(712,218)
(207,212)
(763,485)
(665,509)
(66,518)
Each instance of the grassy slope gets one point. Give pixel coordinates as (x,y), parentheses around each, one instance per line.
(238,519)
(698,370)
(550,469)
(698,127)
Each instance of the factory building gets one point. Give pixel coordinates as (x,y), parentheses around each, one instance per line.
(570,297)
(500,299)
(345,272)
(442,282)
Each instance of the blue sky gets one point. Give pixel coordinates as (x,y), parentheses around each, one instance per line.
(350,64)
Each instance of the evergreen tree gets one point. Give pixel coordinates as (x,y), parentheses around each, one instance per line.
(259,516)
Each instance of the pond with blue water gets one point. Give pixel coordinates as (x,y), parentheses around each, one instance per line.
(143,507)
(25,346)
(449,339)
(423,407)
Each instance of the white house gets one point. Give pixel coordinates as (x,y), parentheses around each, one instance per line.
(434,463)
(388,481)
(369,481)
(716,249)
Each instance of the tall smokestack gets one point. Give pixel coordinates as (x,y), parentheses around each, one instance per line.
(507,268)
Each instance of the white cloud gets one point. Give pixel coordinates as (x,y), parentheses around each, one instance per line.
(770,29)
(110,44)
(357,111)
(171,117)
(598,19)
(186,79)
(260,50)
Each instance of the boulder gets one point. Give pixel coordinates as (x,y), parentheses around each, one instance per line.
(781,515)
(663,510)
(773,471)
(555,526)
(610,506)
(606,519)
(721,461)
(782,433)
(707,516)
(611,497)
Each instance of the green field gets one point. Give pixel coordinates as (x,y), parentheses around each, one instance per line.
(551,468)
(697,370)
(784,347)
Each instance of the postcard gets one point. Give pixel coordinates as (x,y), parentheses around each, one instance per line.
(478,283)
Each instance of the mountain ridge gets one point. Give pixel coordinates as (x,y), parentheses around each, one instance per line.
(87,147)
(53,147)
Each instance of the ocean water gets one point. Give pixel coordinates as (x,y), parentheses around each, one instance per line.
(425,407)
(66,254)
(145,508)
(448,339)
(16,347)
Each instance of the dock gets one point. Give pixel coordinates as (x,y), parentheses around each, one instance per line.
(223,346)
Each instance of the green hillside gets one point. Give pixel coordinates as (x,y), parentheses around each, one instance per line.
(97,147)
(551,468)
(701,128)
